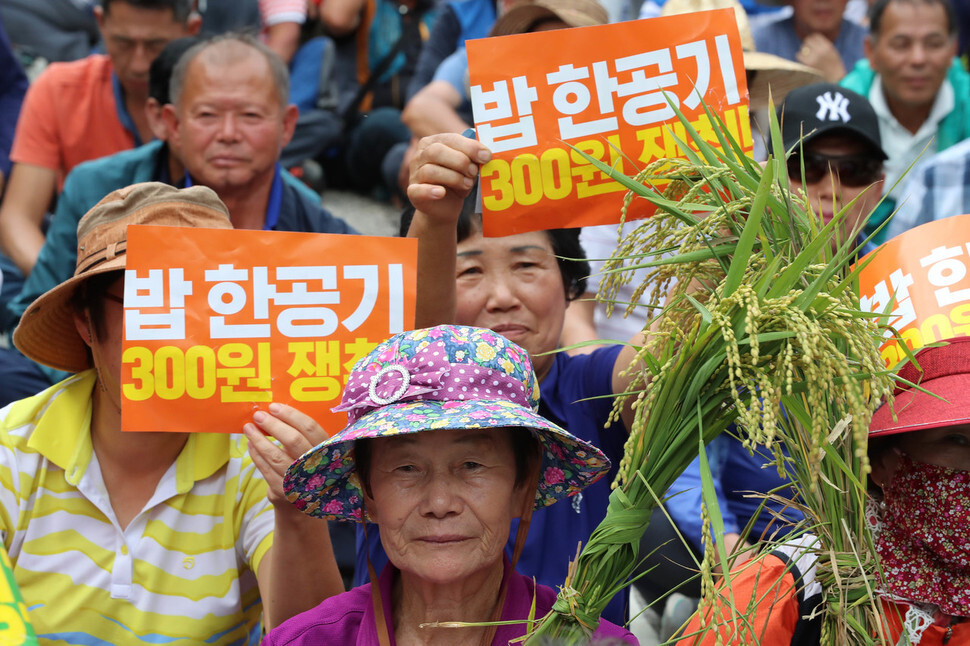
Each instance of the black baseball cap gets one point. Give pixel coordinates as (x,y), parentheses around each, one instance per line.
(824,108)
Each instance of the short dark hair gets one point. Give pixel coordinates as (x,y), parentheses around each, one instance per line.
(89,297)
(570,256)
(525,448)
(160,72)
(879,8)
(181,9)
(278,69)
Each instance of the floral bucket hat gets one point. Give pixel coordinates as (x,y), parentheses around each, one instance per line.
(446,377)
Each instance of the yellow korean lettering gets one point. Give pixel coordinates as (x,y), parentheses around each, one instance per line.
(589,180)
(320,360)
(142,385)
(500,194)
(557,181)
(704,128)
(526,179)
(234,367)
(169,372)
(356,350)
(200,372)
(264,377)
(738,125)
(653,144)
(581,167)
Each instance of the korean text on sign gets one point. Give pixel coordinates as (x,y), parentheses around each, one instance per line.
(222,322)
(609,91)
(920,282)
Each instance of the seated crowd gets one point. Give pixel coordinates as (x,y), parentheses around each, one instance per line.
(241,114)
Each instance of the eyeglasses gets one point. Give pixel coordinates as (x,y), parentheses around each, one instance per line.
(852,170)
(114,297)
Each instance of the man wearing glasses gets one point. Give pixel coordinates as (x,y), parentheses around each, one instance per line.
(832,134)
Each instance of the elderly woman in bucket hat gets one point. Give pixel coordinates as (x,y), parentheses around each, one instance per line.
(120,537)
(919,448)
(444,447)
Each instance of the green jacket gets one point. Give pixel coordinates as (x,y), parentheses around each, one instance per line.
(953,128)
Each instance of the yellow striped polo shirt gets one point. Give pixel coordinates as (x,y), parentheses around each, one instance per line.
(182,572)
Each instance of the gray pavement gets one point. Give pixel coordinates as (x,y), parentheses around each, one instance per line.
(368,216)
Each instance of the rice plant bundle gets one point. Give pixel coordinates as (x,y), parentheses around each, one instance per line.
(761,327)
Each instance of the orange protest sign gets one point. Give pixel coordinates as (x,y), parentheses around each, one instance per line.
(227,321)
(920,280)
(606,90)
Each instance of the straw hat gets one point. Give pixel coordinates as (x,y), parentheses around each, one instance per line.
(441,378)
(774,73)
(575,13)
(46,332)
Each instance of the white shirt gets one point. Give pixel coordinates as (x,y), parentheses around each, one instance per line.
(901,146)
(599,243)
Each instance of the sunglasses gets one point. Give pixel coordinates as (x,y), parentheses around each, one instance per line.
(852,170)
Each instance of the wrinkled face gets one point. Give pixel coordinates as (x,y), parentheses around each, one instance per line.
(944,447)
(133,37)
(229,125)
(839,169)
(444,501)
(513,286)
(819,16)
(912,52)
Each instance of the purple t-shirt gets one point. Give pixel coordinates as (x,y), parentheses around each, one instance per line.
(348,618)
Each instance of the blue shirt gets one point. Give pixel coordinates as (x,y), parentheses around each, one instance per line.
(454,71)
(13,86)
(274,202)
(735,474)
(778,37)
(123,115)
(556,530)
(939,188)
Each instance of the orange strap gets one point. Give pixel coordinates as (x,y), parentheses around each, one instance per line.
(525,519)
(520,535)
(375,595)
(363,64)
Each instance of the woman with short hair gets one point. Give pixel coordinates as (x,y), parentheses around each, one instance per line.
(443,449)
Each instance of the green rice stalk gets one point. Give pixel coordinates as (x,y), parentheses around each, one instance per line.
(759,326)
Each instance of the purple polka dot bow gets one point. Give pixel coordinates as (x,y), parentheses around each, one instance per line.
(426,373)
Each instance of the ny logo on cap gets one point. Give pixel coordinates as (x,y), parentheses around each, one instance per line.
(832,108)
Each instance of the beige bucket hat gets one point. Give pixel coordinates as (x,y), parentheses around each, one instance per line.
(524,14)
(46,332)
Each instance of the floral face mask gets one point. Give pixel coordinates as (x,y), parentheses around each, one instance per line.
(924,543)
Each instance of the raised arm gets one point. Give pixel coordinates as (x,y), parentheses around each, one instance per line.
(29,192)
(284,39)
(300,569)
(443,172)
(341,17)
(434,109)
